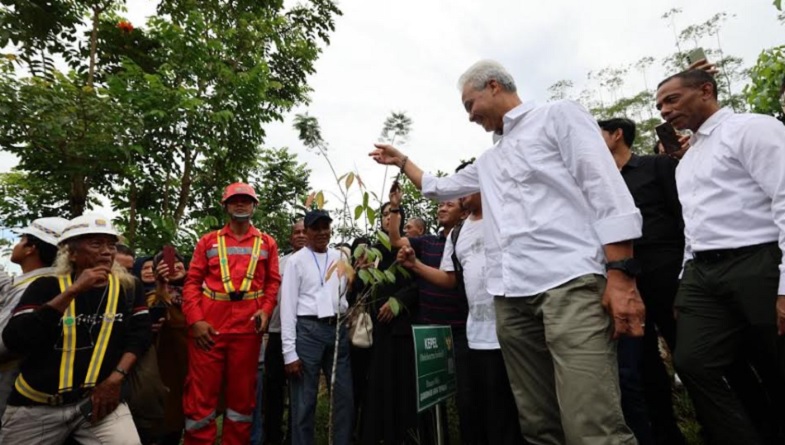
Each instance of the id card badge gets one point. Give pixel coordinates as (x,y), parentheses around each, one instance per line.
(324,302)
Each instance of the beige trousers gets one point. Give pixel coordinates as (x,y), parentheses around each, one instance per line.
(51,425)
(562,365)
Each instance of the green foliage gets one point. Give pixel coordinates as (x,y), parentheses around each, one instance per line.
(766,80)
(414,204)
(25,196)
(605,96)
(396,128)
(64,133)
(281,182)
(158,117)
(39,28)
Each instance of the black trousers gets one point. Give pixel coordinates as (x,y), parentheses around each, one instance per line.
(495,411)
(274,389)
(726,313)
(658,285)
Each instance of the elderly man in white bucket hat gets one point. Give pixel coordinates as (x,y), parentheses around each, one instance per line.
(35,254)
(81,331)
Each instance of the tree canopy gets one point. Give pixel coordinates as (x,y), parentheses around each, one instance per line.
(155,118)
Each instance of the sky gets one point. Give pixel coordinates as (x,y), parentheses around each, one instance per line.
(407,55)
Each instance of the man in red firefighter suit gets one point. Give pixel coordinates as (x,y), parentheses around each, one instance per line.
(228,297)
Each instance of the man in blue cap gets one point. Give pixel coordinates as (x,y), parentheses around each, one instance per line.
(313,301)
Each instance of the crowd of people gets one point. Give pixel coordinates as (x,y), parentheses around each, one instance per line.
(562,264)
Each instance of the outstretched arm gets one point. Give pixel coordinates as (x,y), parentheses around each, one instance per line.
(388,155)
(430,274)
(461,184)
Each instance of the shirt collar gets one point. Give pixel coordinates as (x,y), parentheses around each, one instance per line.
(33,273)
(515,115)
(634,161)
(714,121)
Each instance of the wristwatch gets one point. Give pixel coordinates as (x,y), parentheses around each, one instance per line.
(395,210)
(629,266)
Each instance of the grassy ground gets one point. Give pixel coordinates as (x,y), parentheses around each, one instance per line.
(686,417)
(683,407)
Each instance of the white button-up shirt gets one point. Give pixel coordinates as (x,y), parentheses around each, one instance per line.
(732,184)
(305,290)
(551,198)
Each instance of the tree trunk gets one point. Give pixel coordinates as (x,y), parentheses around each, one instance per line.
(185,185)
(93,46)
(78,198)
(132,203)
(166,192)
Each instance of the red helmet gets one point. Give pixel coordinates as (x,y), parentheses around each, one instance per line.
(239,188)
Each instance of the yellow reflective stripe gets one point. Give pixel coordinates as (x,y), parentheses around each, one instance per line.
(223,263)
(28,280)
(248,280)
(69,340)
(26,390)
(106,331)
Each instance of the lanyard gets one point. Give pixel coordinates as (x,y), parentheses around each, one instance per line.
(326,257)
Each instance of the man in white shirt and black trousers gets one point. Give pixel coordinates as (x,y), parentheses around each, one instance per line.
(731,301)
(556,213)
(312,302)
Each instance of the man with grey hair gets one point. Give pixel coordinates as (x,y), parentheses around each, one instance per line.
(414,227)
(559,219)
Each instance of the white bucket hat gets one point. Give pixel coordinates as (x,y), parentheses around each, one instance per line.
(47,230)
(89,224)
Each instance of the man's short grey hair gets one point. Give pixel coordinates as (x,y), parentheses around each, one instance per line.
(482,72)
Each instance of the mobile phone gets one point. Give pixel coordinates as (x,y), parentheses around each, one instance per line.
(86,408)
(396,185)
(258,322)
(667,135)
(696,55)
(169,258)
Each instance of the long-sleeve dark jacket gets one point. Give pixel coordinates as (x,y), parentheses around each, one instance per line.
(36,331)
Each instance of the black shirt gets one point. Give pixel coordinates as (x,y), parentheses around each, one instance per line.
(652,183)
(437,304)
(36,330)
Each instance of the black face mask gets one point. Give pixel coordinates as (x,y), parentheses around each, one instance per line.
(241,217)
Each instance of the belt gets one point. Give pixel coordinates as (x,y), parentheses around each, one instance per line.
(327,320)
(714,256)
(234,296)
(27,391)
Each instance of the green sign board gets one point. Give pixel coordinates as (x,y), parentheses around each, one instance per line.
(435,365)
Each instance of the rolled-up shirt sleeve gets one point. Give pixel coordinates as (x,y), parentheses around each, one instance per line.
(763,156)
(463,183)
(290,286)
(586,157)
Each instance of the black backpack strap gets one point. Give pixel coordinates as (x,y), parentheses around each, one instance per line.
(456,264)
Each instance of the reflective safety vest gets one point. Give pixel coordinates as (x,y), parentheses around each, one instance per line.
(66,382)
(226,275)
